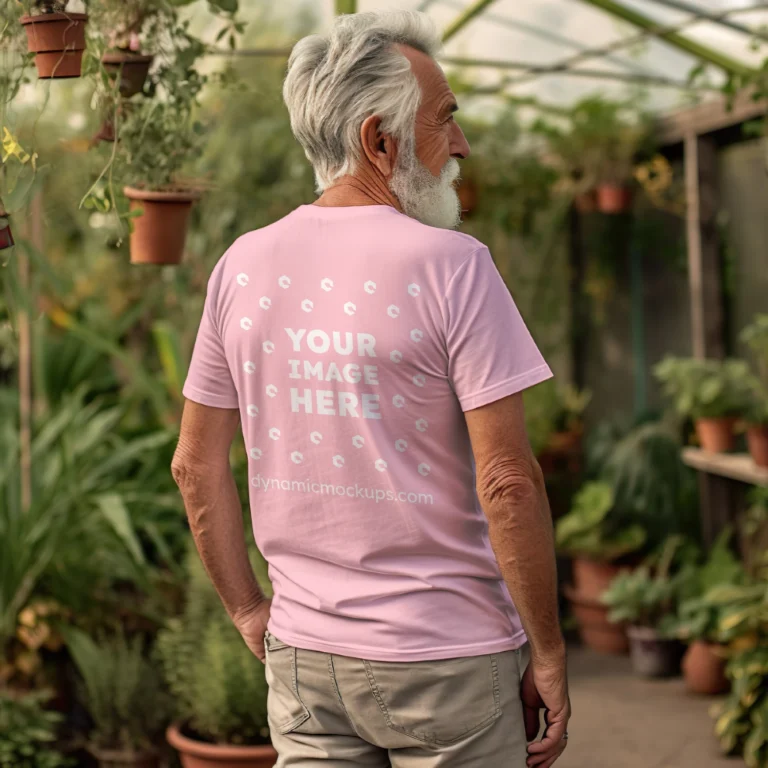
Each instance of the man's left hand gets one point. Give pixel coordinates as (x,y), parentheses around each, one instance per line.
(252,625)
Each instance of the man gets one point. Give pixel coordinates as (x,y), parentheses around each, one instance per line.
(375,361)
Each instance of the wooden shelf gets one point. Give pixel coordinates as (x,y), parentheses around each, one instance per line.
(736,466)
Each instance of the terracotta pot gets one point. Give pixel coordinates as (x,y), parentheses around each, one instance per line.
(614,198)
(716,435)
(757,440)
(160,232)
(591,578)
(704,669)
(595,631)
(58,42)
(198,754)
(115,758)
(586,202)
(653,655)
(132,69)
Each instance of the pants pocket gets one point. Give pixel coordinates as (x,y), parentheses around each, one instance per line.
(437,702)
(285,708)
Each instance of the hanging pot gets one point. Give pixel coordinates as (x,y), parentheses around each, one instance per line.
(614,198)
(131,68)
(652,654)
(716,435)
(595,631)
(199,754)
(757,440)
(58,42)
(704,669)
(160,231)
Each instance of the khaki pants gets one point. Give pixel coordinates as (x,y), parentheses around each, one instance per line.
(353,713)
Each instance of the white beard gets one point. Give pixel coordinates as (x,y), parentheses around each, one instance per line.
(432,200)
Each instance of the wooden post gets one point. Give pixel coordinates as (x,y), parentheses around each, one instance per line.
(704,267)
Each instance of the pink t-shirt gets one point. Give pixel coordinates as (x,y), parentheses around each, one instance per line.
(352,340)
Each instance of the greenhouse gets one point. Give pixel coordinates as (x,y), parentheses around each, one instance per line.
(201,325)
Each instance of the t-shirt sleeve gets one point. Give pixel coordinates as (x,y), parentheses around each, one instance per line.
(209,380)
(491,353)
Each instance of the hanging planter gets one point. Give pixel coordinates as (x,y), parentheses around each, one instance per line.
(131,69)
(614,198)
(57,39)
(160,229)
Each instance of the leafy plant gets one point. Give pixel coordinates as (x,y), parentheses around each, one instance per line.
(551,409)
(218,684)
(755,336)
(648,595)
(28,732)
(590,530)
(702,389)
(122,692)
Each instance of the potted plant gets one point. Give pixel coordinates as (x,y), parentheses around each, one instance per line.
(755,336)
(122,694)
(219,686)
(56,37)
(714,393)
(644,599)
(28,732)
(699,618)
(597,543)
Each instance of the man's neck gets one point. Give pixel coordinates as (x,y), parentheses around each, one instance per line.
(351,191)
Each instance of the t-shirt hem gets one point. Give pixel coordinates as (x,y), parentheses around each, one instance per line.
(505,388)
(518,640)
(207,398)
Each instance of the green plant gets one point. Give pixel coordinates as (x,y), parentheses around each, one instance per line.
(702,389)
(647,596)
(755,336)
(219,686)
(742,719)
(591,530)
(551,409)
(28,732)
(122,691)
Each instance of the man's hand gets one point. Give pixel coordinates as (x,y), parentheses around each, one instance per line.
(252,625)
(545,686)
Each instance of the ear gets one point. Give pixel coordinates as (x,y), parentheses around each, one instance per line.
(379,148)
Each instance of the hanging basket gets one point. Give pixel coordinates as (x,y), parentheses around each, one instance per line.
(58,42)
(131,68)
(160,231)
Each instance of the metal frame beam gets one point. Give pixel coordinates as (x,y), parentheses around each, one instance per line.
(465,17)
(679,5)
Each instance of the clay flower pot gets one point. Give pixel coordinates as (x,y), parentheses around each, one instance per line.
(114,758)
(716,435)
(160,231)
(614,198)
(704,669)
(131,68)
(595,631)
(58,42)
(653,655)
(757,440)
(199,754)
(591,577)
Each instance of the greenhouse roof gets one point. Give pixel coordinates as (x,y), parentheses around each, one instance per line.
(556,51)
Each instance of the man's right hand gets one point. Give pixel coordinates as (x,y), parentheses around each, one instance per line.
(545,686)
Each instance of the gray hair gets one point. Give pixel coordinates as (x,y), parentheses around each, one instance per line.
(338,80)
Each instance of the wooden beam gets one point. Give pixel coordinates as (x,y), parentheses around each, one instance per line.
(346,6)
(704,263)
(701,52)
(708,117)
(465,17)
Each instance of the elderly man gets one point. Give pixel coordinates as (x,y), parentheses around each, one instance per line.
(375,361)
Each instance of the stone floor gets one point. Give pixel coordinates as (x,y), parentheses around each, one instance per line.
(620,721)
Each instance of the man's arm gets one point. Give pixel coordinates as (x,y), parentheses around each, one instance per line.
(511,490)
(202,472)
